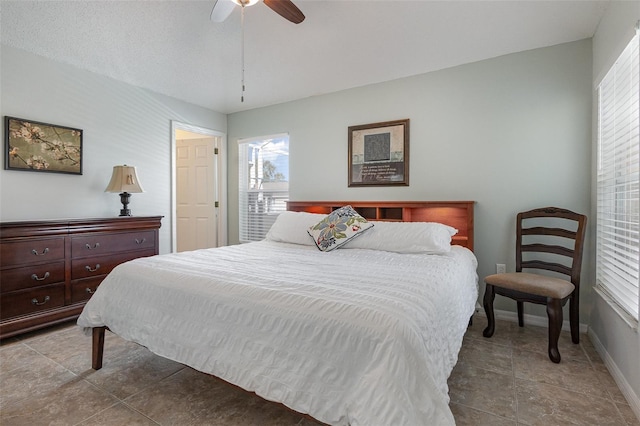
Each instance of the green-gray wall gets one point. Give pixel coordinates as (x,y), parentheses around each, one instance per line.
(511,133)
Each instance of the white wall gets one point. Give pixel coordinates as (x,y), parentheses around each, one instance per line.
(121,124)
(618,343)
(511,133)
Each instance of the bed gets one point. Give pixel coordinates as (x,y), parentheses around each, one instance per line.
(363,334)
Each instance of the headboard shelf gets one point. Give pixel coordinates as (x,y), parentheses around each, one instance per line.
(458,214)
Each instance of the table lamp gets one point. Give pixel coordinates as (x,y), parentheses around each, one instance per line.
(125,181)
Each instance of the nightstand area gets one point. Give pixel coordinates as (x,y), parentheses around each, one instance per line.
(49,269)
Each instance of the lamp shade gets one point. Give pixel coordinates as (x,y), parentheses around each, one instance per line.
(124,179)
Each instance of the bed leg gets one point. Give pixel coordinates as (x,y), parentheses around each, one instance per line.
(98,347)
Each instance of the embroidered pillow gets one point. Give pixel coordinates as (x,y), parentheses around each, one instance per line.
(337,228)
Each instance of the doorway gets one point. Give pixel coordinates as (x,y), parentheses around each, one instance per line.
(198,188)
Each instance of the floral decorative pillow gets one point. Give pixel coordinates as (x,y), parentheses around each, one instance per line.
(337,228)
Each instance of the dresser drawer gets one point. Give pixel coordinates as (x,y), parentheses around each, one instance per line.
(82,290)
(31,276)
(33,251)
(102,265)
(23,302)
(96,244)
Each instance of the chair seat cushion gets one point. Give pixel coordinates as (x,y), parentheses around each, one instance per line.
(540,285)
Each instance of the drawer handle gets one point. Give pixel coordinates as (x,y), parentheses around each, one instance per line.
(140,241)
(34,301)
(88,290)
(36,278)
(95,246)
(45,251)
(88,268)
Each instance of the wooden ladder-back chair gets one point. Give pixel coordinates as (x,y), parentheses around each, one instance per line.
(543,248)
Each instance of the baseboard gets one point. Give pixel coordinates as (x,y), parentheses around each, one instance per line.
(534,320)
(627,391)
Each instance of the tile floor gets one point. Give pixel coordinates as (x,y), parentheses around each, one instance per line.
(46,379)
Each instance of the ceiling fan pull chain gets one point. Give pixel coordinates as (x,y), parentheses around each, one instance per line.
(242,50)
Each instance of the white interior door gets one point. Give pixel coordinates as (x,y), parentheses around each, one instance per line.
(196,211)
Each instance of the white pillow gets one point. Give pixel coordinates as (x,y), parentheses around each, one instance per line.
(406,237)
(291,227)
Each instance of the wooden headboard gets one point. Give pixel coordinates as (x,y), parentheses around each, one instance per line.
(458,214)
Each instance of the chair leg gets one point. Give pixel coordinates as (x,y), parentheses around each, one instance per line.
(520,314)
(554,312)
(574,318)
(489,296)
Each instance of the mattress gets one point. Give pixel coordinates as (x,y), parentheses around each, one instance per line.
(352,336)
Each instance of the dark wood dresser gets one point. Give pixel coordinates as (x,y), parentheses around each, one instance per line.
(49,269)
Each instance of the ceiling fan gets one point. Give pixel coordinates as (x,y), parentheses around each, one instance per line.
(285,8)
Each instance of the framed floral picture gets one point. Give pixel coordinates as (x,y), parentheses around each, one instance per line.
(42,147)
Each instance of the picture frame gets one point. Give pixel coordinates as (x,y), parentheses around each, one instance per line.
(42,147)
(379,154)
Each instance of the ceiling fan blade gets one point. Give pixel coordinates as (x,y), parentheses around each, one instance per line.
(286,9)
(221,10)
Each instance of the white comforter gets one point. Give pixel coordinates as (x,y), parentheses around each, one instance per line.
(352,336)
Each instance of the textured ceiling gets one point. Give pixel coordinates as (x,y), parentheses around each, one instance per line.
(173,48)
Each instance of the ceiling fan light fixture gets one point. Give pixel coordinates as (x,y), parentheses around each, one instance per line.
(285,8)
(244,3)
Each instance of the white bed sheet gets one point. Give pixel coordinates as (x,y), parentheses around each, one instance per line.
(358,337)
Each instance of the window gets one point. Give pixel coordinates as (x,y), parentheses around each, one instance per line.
(264,184)
(617,252)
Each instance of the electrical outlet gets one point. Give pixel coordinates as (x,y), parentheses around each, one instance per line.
(501,268)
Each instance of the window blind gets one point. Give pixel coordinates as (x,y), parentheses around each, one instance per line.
(263,184)
(618,202)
